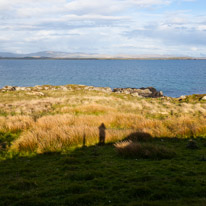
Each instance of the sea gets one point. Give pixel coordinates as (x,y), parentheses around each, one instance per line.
(173,77)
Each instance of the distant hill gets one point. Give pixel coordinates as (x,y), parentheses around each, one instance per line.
(64,55)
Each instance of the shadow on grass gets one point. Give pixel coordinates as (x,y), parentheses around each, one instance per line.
(139,136)
(96,175)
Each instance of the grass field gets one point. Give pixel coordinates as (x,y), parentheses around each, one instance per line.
(42,161)
(97,175)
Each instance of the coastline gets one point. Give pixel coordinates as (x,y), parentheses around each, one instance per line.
(89,58)
(148,92)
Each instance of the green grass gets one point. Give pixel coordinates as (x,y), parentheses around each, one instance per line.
(6,141)
(97,175)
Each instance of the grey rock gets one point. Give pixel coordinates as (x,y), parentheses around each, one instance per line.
(64,88)
(183,97)
(143,92)
(37,87)
(101,89)
(9,88)
(135,95)
(204,98)
(21,88)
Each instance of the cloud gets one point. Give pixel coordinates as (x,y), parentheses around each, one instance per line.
(178,28)
(45,7)
(110,6)
(173,36)
(109,26)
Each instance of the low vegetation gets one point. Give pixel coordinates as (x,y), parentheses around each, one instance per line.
(143,150)
(147,158)
(59,118)
(97,175)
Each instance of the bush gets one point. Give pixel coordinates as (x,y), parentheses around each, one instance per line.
(192,144)
(6,139)
(139,137)
(144,150)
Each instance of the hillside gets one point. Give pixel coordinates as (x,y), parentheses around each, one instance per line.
(49,151)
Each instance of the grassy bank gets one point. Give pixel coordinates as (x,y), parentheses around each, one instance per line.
(42,161)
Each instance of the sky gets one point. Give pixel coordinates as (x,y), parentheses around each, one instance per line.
(132,27)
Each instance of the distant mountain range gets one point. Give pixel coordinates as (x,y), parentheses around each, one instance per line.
(78,55)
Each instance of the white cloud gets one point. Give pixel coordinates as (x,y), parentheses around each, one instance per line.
(109,26)
(31,7)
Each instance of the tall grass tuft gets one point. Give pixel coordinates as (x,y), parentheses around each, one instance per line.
(143,150)
(15,123)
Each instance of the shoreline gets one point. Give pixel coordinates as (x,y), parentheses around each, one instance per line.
(148,92)
(96,58)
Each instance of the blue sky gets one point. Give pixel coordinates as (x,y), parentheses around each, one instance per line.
(132,27)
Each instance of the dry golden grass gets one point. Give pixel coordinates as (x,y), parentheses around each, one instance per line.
(56,132)
(15,123)
(58,138)
(61,119)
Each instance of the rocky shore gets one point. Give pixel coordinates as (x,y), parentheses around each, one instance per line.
(148,92)
(36,90)
(141,92)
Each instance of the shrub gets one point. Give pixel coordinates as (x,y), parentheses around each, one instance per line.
(139,137)
(192,144)
(143,150)
(6,139)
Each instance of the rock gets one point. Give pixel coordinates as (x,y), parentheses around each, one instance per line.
(35,93)
(128,92)
(204,98)
(142,92)
(21,88)
(99,89)
(63,88)
(37,87)
(183,97)
(103,89)
(135,95)
(9,88)
(18,88)
(12,88)
(89,88)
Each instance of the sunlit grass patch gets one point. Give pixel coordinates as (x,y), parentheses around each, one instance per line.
(61,119)
(15,123)
(92,109)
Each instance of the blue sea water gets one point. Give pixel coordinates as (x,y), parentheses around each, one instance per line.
(173,77)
